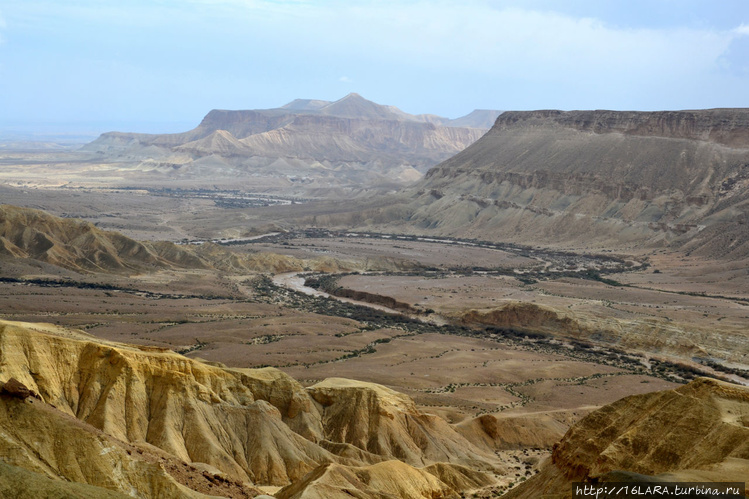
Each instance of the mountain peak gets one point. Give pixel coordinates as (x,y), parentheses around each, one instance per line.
(354,105)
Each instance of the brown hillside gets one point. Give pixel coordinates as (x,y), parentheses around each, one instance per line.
(359,140)
(388,480)
(387,423)
(699,432)
(604,177)
(78,245)
(503,432)
(75,244)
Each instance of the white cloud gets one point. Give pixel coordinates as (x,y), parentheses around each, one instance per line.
(742,30)
(537,50)
(488,40)
(473,36)
(470,36)
(422,55)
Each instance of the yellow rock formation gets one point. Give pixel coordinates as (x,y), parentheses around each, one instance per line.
(698,432)
(151,422)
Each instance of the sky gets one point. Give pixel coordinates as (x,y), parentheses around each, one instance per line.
(160,65)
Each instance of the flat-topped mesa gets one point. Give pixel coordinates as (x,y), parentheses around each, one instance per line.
(728,127)
(609,178)
(242,123)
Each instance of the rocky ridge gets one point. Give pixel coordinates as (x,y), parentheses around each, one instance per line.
(658,336)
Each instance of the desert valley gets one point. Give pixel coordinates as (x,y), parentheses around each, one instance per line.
(336,299)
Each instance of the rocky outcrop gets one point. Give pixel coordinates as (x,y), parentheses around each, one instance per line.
(525,316)
(699,432)
(654,335)
(386,423)
(16,389)
(504,432)
(389,480)
(374,298)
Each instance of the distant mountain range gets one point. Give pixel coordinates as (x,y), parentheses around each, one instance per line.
(348,142)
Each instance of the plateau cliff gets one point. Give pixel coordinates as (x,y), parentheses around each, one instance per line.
(596,179)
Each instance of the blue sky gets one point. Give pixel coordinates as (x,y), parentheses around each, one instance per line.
(160,65)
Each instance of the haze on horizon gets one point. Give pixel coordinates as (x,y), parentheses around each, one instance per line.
(90,66)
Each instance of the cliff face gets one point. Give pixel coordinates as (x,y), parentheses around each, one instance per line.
(699,432)
(349,140)
(728,127)
(605,177)
(385,422)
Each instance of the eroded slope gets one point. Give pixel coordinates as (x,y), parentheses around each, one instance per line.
(35,235)
(603,177)
(699,432)
(253,426)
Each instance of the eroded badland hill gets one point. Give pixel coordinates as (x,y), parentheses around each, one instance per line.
(696,433)
(148,421)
